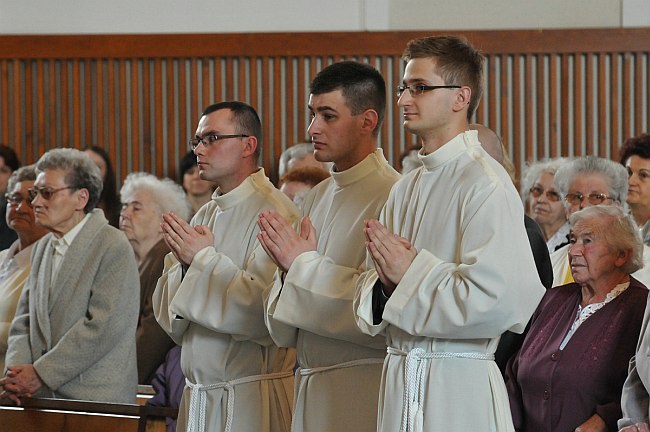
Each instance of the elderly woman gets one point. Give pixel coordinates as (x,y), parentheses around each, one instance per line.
(569,373)
(74,332)
(144,200)
(635,155)
(15,261)
(544,202)
(586,182)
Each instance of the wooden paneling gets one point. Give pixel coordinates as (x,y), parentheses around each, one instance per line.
(548,93)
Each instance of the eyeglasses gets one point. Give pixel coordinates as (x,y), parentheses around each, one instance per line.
(213,138)
(593,199)
(551,195)
(16,199)
(45,192)
(417,90)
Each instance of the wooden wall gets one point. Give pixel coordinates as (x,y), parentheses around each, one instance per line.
(549,93)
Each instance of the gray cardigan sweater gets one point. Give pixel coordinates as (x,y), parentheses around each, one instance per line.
(80,333)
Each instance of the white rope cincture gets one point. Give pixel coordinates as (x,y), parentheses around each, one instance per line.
(351,363)
(198,402)
(414,381)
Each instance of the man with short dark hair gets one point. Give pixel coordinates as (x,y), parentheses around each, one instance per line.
(453,267)
(310,304)
(209,298)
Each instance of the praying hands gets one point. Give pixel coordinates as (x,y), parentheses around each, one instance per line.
(391,254)
(184,240)
(281,242)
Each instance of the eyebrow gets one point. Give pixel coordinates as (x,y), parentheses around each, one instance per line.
(322,108)
(211,132)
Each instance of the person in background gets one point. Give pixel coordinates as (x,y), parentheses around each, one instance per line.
(109,202)
(297,182)
(409,159)
(145,198)
(298,156)
(543,200)
(569,373)
(74,332)
(209,298)
(15,262)
(635,156)
(9,163)
(198,191)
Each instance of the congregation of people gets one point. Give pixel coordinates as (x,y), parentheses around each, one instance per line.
(350,296)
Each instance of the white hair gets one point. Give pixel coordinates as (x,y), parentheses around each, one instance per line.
(167,194)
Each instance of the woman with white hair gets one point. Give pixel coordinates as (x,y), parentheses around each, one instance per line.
(544,202)
(585,182)
(569,373)
(144,200)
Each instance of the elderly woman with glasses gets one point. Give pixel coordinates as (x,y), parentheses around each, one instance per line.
(544,203)
(15,262)
(74,332)
(569,373)
(586,182)
(144,200)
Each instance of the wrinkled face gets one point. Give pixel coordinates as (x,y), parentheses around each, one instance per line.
(5,173)
(99,161)
(547,208)
(431,110)
(63,210)
(20,214)
(590,256)
(296,191)
(588,184)
(194,185)
(638,170)
(222,160)
(334,131)
(140,217)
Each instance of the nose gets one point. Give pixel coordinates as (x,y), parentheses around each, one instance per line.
(575,249)
(313,128)
(404,98)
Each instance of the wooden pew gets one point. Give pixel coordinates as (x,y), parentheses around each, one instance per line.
(59,415)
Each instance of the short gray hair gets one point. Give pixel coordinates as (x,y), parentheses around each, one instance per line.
(618,229)
(26,173)
(533,170)
(80,172)
(614,173)
(298,151)
(168,195)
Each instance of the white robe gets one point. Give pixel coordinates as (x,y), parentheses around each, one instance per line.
(216,313)
(560,264)
(312,310)
(473,278)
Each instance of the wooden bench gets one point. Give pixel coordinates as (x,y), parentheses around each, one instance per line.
(59,415)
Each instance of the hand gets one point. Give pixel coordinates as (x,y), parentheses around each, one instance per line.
(391,254)
(595,423)
(20,381)
(281,242)
(183,239)
(637,427)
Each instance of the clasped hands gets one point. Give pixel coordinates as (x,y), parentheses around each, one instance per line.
(391,254)
(20,381)
(183,239)
(281,242)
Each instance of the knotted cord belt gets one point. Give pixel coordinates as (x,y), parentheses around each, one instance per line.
(414,380)
(198,402)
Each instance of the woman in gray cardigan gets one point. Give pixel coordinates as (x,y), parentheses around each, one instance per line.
(74,332)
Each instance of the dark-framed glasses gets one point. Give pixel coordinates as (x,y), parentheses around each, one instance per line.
(551,195)
(15,199)
(213,138)
(45,192)
(593,199)
(418,89)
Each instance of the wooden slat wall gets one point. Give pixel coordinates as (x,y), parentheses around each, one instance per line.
(548,93)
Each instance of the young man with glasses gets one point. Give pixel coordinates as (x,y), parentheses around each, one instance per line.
(310,304)
(209,298)
(453,267)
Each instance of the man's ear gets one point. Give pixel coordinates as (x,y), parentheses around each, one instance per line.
(250,145)
(370,119)
(463,98)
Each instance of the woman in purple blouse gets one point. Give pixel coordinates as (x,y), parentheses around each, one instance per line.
(570,370)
